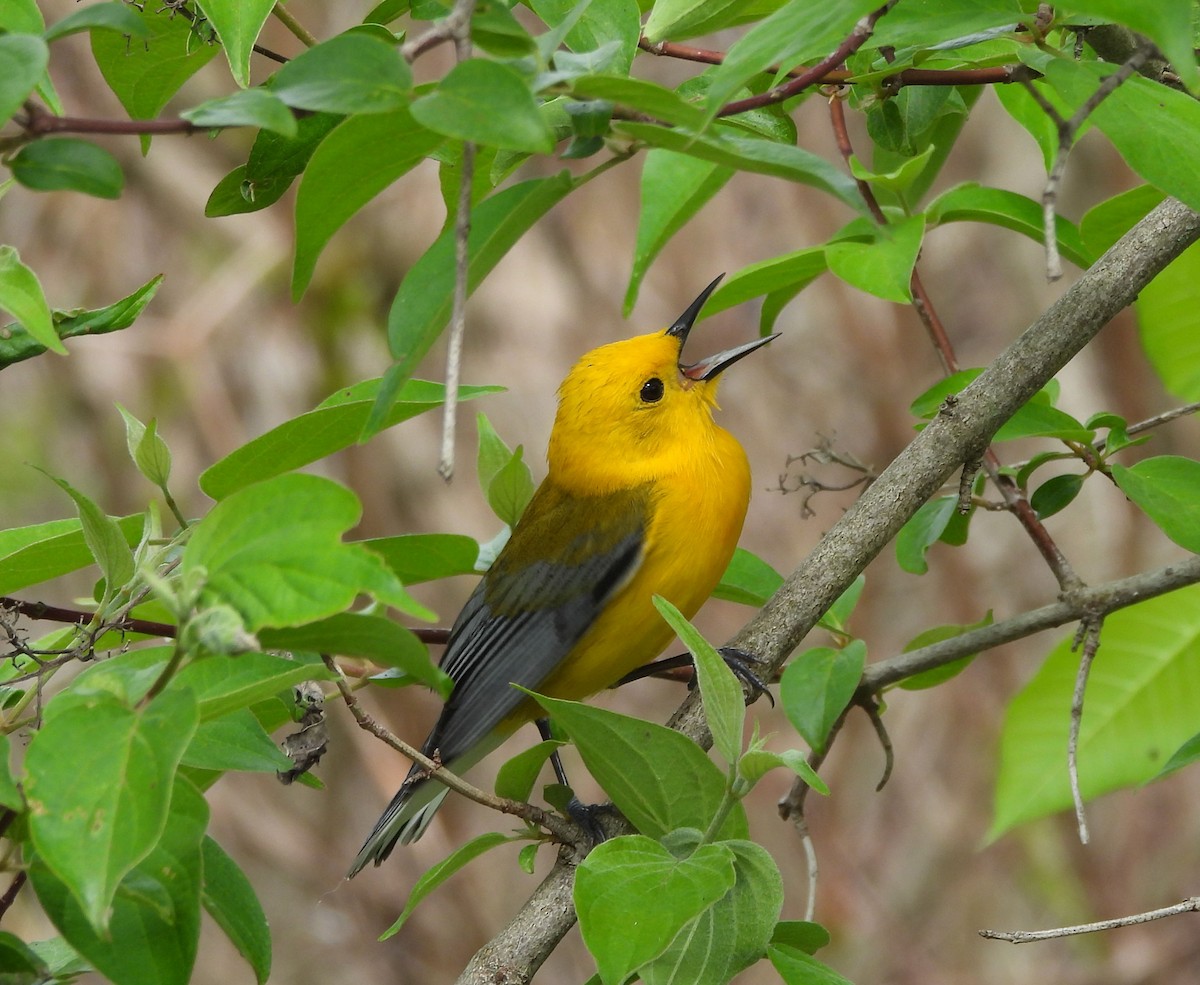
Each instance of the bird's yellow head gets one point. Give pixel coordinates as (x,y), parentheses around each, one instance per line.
(633,411)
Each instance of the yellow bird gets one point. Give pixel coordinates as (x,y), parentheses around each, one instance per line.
(645,496)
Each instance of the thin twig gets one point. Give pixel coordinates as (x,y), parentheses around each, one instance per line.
(53,613)
(563,830)
(855,40)
(1067,131)
(10,894)
(288,20)
(993,75)
(462,235)
(1094,601)
(1191,905)
(1089,635)
(1156,421)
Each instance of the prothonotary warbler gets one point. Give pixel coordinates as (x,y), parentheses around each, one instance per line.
(645,495)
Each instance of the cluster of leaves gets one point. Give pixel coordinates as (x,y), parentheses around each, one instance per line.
(115,843)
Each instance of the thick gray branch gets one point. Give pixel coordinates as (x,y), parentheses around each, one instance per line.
(958,435)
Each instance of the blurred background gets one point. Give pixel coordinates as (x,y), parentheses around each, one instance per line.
(222,354)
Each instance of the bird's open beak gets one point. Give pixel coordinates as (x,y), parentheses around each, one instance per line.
(707,369)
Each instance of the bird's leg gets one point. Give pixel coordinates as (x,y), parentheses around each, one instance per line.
(739,661)
(585,815)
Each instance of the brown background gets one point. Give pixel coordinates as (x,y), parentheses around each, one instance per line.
(222,355)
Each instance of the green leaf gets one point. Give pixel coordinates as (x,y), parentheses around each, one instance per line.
(415,558)
(781,276)
(838,614)
(1185,755)
(356,634)
(600,24)
(98,782)
(17,344)
(358,160)
(511,489)
(498,32)
(659,779)
(648,97)
(724,700)
(757,763)
(674,20)
(223,684)
(422,306)
(147,449)
(730,935)
(21,296)
(103,536)
(884,266)
(230,900)
(1105,223)
(10,796)
(1039,420)
(1150,124)
(487,103)
(727,147)
(349,73)
(237,23)
(1166,309)
(817,686)
(674,188)
(155,924)
(493,452)
(1167,488)
(1023,108)
(23,60)
(938,675)
(247,108)
(117,17)
(20,964)
(803,935)
(439,873)
(68,164)
(797,968)
(274,552)
(921,532)
(333,425)
(144,75)
(748,580)
(516,777)
(235,741)
(633,896)
(971,202)
(31,555)
(1138,709)
(1055,494)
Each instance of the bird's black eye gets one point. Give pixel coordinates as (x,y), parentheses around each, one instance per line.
(652,390)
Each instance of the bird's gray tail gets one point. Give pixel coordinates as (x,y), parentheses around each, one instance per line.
(404,821)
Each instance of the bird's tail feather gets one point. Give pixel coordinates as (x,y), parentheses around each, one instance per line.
(404,821)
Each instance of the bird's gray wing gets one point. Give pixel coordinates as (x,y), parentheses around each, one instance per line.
(566,558)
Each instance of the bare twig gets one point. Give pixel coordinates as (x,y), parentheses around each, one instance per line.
(1067,130)
(288,20)
(1191,905)
(1156,421)
(1089,636)
(563,830)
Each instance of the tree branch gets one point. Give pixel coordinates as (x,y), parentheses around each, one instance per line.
(1191,905)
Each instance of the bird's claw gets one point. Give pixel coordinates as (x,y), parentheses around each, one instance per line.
(741,663)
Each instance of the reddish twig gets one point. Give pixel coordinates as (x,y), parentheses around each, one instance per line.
(52,613)
(993,75)
(855,40)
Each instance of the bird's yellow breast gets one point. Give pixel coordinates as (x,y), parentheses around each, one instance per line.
(695,519)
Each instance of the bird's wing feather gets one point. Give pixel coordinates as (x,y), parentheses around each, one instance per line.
(566,558)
